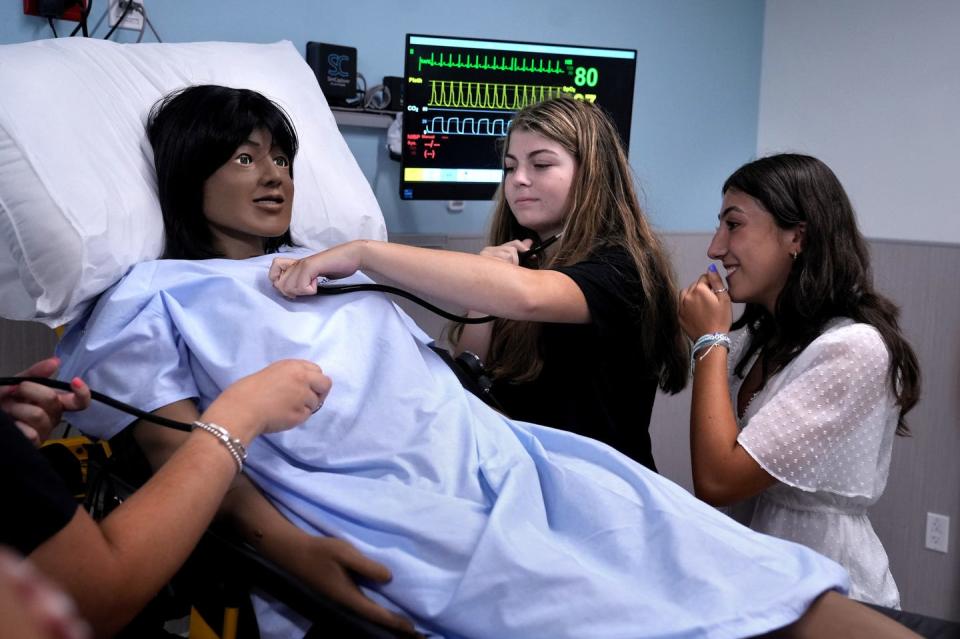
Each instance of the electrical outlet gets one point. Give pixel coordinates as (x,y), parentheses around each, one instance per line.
(938,532)
(134,18)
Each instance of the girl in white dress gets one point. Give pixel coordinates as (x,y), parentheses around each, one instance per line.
(800,414)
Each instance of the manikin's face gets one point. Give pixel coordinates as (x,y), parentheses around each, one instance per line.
(250,197)
(755,252)
(539,174)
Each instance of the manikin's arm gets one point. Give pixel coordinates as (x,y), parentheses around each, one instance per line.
(833,615)
(323,563)
(723,471)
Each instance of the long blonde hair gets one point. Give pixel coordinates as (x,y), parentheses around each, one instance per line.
(603,211)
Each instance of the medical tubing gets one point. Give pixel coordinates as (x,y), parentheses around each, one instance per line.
(104,399)
(339,289)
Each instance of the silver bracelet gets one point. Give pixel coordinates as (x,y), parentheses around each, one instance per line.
(233,445)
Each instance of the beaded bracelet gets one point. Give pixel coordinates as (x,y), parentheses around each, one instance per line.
(233,445)
(707,342)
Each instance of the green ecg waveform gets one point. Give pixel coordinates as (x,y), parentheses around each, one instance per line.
(491,63)
(484,95)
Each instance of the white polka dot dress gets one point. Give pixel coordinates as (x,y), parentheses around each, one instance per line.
(824,427)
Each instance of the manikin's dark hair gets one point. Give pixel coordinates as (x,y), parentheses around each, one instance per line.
(194,131)
(830,277)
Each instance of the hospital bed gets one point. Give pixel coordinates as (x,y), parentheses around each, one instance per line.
(78,205)
(78,201)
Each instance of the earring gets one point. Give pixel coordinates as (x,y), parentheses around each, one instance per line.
(794,255)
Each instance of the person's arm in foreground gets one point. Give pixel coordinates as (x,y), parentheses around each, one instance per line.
(31,607)
(723,471)
(325,564)
(114,568)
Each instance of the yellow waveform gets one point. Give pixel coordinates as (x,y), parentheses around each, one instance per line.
(486,95)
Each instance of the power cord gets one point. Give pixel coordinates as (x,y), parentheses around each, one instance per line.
(357,100)
(84,14)
(146,23)
(126,10)
(377,97)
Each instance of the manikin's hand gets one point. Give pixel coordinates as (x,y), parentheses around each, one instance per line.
(330,565)
(37,409)
(299,277)
(705,306)
(509,252)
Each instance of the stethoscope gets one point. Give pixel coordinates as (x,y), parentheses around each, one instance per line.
(526,258)
(326,289)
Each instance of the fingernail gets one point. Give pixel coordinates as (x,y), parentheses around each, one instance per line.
(712,268)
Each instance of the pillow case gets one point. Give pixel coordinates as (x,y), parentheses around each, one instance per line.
(78,203)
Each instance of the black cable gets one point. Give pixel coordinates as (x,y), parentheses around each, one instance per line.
(336,289)
(123,15)
(339,289)
(53,27)
(146,19)
(83,20)
(104,399)
(526,259)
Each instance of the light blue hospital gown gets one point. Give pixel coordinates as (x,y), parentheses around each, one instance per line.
(491,527)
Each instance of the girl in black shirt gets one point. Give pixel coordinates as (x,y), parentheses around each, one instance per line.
(589,329)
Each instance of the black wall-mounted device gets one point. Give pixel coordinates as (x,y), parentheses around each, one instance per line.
(395,86)
(336,69)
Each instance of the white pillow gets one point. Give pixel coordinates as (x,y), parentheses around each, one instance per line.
(78,203)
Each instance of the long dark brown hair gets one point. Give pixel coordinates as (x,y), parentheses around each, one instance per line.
(603,212)
(194,131)
(830,277)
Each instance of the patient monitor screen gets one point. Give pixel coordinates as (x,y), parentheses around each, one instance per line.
(459,95)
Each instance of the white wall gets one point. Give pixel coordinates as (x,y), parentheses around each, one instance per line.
(872,87)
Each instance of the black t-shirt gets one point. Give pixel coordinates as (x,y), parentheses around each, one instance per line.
(595,379)
(38,502)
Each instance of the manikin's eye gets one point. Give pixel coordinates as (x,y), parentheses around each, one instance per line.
(244,159)
(282,161)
